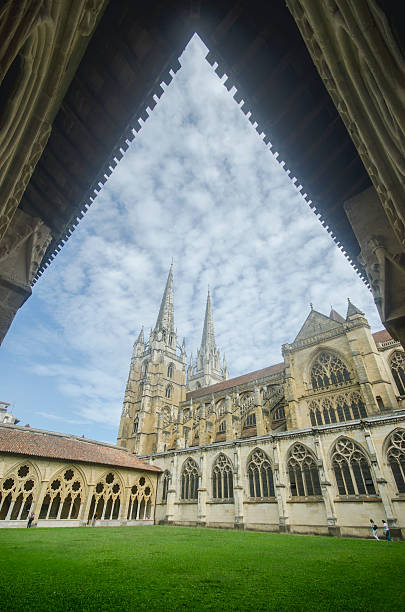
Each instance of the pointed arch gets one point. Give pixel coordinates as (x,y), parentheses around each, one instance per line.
(260,475)
(65,494)
(327,368)
(352,468)
(18,488)
(394,450)
(189,480)
(166,480)
(169,391)
(397,367)
(170,370)
(222,477)
(107,496)
(166,418)
(140,498)
(303,471)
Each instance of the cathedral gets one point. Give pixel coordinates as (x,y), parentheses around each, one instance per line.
(313,444)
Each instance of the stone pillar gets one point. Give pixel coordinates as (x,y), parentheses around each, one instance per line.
(331,517)
(280,490)
(171,491)
(238,490)
(83,515)
(260,429)
(202,492)
(381,481)
(365,385)
(228,419)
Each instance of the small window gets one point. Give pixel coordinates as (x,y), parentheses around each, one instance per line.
(222,427)
(171,339)
(170,371)
(136,425)
(169,390)
(380,402)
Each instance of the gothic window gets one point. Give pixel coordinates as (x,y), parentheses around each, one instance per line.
(136,424)
(171,339)
(221,408)
(328,370)
(141,386)
(303,472)
(279,414)
(16,493)
(144,370)
(140,500)
(170,370)
(106,500)
(222,427)
(337,408)
(189,480)
(396,458)
(250,420)
(260,474)
(64,496)
(166,483)
(169,390)
(166,416)
(222,478)
(198,386)
(398,370)
(352,469)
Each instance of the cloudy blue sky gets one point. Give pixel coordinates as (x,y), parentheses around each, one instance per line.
(199,185)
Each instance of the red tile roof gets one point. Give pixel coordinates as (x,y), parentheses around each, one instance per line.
(239,380)
(52,445)
(382,336)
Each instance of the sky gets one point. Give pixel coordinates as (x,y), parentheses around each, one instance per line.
(198,185)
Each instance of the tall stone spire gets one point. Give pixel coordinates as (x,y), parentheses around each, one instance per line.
(208,369)
(208,336)
(165,320)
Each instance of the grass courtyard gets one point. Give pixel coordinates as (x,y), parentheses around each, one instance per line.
(180,568)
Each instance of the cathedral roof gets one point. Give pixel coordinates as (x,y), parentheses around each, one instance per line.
(52,445)
(239,380)
(382,336)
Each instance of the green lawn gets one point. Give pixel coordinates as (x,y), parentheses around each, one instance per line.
(180,568)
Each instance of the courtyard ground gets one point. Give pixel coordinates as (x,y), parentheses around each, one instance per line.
(180,568)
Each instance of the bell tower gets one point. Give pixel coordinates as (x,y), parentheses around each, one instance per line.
(156,380)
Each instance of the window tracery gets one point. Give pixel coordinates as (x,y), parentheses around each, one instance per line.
(166,482)
(189,480)
(16,493)
(398,370)
(279,414)
(303,472)
(245,403)
(352,470)
(222,478)
(106,500)
(250,420)
(396,458)
(260,474)
(168,392)
(328,370)
(337,408)
(64,496)
(140,500)
(222,427)
(220,408)
(166,416)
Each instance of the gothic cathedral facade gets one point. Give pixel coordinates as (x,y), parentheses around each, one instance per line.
(314,444)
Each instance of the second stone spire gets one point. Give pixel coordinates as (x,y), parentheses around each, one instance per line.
(207,370)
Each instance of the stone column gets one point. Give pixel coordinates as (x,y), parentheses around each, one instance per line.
(171,491)
(238,490)
(202,491)
(280,490)
(83,515)
(381,481)
(331,517)
(260,429)
(228,419)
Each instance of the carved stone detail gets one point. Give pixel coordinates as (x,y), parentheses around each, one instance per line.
(356,54)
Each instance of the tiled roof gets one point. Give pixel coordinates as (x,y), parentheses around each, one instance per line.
(382,336)
(239,380)
(52,445)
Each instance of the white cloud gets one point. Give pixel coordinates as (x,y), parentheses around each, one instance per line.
(197,184)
